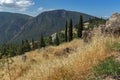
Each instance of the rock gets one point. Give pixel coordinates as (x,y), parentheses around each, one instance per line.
(110,77)
(24,57)
(113,25)
(53,36)
(33,61)
(65,52)
(68,50)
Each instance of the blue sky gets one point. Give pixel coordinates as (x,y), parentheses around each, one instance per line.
(34,7)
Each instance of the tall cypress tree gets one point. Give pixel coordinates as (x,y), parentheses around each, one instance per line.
(70,30)
(23,42)
(21,48)
(33,44)
(66,32)
(42,43)
(50,40)
(57,42)
(27,46)
(80,27)
(4,50)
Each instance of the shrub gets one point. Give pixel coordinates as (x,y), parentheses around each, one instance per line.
(109,67)
(116,46)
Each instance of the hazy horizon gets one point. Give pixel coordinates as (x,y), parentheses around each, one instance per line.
(102,8)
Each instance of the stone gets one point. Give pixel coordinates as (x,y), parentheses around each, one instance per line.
(53,37)
(113,25)
(24,57)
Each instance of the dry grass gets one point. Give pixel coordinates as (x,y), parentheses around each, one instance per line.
(44,65)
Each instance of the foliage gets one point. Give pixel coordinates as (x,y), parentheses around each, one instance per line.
(8,49)
(70,30)
(33,44)
(57,42)
(12,50)
(116,46)
(42,42)
(27,46)
(96,22)
(61,37)
(110,67)
(50,40)
(66,31)
(6,60)
(80,27)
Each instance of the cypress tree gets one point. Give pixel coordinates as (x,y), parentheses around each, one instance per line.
(33,44)
(27,46)
(80,27)
(66,32)
(42,43)
(22,42)
(50,40)
(12,50)
(70,30)
(4,49)
(57,42)
(21,48)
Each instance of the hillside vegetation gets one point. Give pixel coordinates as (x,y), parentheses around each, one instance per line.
(55,63)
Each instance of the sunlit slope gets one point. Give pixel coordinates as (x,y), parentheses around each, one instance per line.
(55,63)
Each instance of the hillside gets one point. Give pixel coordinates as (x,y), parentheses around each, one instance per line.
(15,27)
(54,63)
(95,59)
(11,24)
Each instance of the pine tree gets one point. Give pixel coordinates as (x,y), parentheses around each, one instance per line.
(33,44)
(80,27)
(20,50)
(4,49)
(57,42)
(50,40)
(42,43)
(70,30)
(12,50)
(22,47)
(66,32)
(27,46)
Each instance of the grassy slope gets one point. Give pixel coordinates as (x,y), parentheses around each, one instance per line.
(46,66)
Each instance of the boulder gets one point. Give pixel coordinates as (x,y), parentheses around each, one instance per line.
(113,25)
(53,37)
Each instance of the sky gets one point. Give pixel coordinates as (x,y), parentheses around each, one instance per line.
(99,8)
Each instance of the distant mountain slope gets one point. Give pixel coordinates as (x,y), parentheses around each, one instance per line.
(11,24)
(15,27)
(50,22)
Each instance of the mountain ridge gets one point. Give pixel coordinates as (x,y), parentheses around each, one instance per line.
(21,26)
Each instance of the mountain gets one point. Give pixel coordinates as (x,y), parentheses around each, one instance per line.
(11,24)
(15,27)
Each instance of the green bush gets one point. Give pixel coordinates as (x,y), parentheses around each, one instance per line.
(113,45)
(116,46)
(110,67)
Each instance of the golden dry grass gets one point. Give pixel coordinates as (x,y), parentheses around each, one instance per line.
(43,64)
